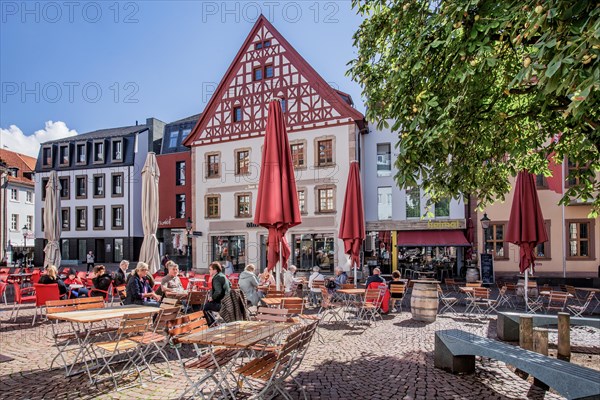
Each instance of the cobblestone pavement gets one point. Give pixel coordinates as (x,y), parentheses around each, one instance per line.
(391,360)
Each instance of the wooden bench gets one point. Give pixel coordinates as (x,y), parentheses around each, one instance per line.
(507,325)
(455,351)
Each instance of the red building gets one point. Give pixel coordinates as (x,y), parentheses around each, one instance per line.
(174,162)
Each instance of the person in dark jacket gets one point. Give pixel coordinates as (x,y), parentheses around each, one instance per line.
(101,281)
(50,277)
(139,290)
(376,277)
(220,287)
(121,274)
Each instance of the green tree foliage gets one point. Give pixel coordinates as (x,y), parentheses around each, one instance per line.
(477,90)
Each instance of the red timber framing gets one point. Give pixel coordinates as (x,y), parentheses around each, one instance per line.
(309,101)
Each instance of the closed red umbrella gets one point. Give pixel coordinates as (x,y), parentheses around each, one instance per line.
(277,207)
(526,223)
(352,226)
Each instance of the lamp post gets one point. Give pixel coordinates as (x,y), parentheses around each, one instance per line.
(485,224)
(25,231)
(188,228)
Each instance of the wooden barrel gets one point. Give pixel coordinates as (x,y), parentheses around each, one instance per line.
(472,274)
(424,302)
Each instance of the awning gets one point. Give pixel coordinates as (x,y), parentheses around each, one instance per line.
(433,238)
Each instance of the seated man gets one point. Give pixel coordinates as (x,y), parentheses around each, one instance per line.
(170,283)
(290,282)
(341,278)
(220,288)
(376,277)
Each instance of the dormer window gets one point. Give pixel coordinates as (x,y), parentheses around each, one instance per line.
(47,156)
(63,155)
(80,152)
(14,172)
(117,150)
(99,152)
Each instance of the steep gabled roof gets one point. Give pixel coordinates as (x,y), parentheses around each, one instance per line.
(23,163)
(310,101)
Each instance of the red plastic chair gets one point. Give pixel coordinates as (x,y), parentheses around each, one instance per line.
(184,281)
(82,275)
(26,295)
(35,277)
(3,286)
(4,270)
(106,294)
(44,293)
(191,274)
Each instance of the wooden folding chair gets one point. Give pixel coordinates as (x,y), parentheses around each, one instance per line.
(448,302)
(395,291)
(576,310)
(557,301)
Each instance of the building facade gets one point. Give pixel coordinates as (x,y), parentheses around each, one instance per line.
(226,146)
(101,186)
(399,223)
(17,176)
(175,164)
(574,238)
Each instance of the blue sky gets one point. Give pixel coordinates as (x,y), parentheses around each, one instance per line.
(96,65)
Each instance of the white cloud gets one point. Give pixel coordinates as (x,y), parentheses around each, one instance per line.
(14,139)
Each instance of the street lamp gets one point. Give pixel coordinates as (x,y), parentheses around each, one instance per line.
(485,224)
(25,231)
(188,228)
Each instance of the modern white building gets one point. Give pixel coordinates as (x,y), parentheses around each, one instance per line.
(18,205)
(323,129)
(101,187)
(399,221)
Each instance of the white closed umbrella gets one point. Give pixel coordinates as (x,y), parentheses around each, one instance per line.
(52,221)
(150,176)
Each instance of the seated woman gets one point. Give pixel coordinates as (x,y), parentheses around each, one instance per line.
(139,289)
(249,285)
(266,278)
(101,281)
(396,297)
(72,279)
(50,277)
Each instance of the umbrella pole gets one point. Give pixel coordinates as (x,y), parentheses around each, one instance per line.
(278,270)
(526,288)
(355,280)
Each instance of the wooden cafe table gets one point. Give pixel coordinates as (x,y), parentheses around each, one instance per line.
(84,320)
(238,335)
(276,301)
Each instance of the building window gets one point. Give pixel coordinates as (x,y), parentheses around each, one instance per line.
(442,208)
(180,206)
(302,201)
(65,214)
(64,248)
(258,46)
(81,187)
(118,250)
(29,196)
(325,152)
(63,155)
(237,114)
(258,74)
(212,165)
(266,43)
(494,240)
(580,239)
(542,250)
(326,199)
(384,203)
(99,152)
(99,185)
(173,138)
(117,217)
(297,150)
(30,222)
(185,133)
(47,156)
(213,207)
(98,217)
(541,182)
(14,222)
(80,152)
(81,218)
(64,188)
(14,194)
(44,187)
(81,249)
(413,203)
(117,150)
(384,159)
(117,184)
(180,173)
(243,205)
(283,105)
(572,169)
(269,71)
(242,162)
